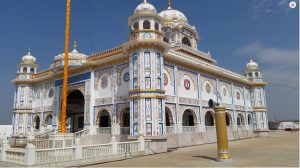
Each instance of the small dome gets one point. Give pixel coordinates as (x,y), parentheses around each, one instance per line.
(252,65)
(173,16)
(145,7)
(28,58)
(75,59)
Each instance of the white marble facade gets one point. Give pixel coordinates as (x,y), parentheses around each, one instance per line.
(156,81)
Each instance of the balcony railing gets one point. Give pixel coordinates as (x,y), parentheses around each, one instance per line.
(125,130)
(229,127)
(189,129)
(104,130)
(169,129)
(210,128)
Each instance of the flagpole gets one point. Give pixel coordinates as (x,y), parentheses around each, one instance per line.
(65,77)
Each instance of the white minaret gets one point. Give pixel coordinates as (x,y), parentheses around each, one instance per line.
(258,96)
(24,94)
(145,49)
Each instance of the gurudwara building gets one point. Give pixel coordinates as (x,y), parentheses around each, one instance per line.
(157,84)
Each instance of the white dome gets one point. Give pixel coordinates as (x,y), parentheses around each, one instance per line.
(173,16)
(252,65)
(145,7)
(75,59)
(28,58)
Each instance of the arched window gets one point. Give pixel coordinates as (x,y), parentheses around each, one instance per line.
(25,70)
(156,26)
(256,74)
(188,118)
(249,119)
(209,119)
(186,41)
(250,75)
(228,119)
(240,119)
(146,24)
(136,26)
(31,70)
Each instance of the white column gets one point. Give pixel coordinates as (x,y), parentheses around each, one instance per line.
(92,97)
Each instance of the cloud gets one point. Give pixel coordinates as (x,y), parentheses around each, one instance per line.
(261,7)
(278,56)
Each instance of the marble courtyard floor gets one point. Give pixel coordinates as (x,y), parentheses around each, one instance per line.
(279,149)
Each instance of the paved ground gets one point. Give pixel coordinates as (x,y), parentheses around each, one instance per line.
(279,149)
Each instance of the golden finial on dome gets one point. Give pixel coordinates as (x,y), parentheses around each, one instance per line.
(169,3)
(75,45)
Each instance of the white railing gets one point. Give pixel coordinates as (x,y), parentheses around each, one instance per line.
(210,128)
(50,143)
(15,155)
(125,130)
(124,147)
(189,129)
(44,156)
(241,127)
(169,129)
(104,130)
(229,127)
(93,151)
(81,133)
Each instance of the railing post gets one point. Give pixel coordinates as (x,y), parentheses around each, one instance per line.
(78,149)
(141,141)
(93,130)
(30,151)
(4,147)
(114,145)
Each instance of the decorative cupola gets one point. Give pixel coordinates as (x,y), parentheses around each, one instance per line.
(253,72)
(75,59)
(145,23)
(177,30)
(27,67)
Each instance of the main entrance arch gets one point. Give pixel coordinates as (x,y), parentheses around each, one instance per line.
(75,111)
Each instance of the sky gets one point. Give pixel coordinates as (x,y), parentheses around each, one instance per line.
(232,30)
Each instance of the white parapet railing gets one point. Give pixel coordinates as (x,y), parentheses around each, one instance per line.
(104,130)
(93,151)
(44,156)
(241,127)
(124,147)
(50,143)
(189,129)
(15,155)
(210,128)
(229,127)
(125,130)
(81,133)
(169,129)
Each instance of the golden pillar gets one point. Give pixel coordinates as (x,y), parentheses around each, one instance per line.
(65,77)
(222,139)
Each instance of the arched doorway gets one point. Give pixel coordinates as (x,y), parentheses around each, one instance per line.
(48,121)
(188,118)
(169,121)
(104,119)
(228,119)
(240,120)
(124,121)
(209,119)
(75,111)
(37,122)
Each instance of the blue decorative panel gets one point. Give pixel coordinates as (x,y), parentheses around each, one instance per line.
(74,79)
